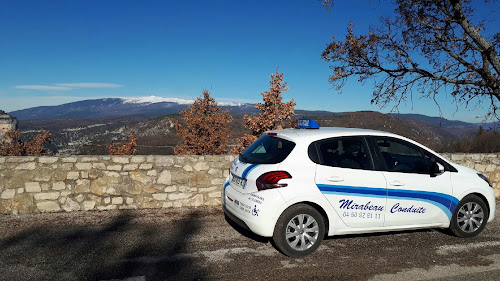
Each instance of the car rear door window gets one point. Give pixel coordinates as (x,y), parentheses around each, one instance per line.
(348,152)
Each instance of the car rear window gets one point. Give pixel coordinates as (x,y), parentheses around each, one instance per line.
(342,152)
(267,150)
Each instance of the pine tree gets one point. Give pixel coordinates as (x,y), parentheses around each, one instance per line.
(206,130)
(275,114)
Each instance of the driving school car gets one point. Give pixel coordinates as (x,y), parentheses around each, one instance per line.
(298,185)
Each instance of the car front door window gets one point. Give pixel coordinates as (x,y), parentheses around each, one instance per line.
(402,157)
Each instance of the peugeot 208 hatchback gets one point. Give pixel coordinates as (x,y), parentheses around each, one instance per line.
(296,185)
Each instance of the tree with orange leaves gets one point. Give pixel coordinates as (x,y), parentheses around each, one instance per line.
(12,145)
(206,131)
(126,149)
(275,114)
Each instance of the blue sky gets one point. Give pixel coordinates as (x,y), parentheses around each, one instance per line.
(53,52)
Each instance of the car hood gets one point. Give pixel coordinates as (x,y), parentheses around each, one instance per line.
(464,170)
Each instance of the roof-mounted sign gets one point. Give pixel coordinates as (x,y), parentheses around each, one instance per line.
(307,124)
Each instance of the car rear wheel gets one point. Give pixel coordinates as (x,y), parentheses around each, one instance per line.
(299,231)
(470,217)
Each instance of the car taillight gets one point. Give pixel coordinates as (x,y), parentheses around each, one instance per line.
(270,180)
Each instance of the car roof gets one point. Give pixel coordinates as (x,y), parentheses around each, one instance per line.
(329,132)
(308,136)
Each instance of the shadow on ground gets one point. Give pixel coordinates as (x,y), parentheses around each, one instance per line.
(117,249)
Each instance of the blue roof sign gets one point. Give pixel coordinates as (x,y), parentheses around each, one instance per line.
(307,124)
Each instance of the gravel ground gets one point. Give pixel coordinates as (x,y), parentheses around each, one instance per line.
(199,244)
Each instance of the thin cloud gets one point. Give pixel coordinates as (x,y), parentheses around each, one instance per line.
(89,85)
(233,100)
(67,86)
(10,103)
(43,87)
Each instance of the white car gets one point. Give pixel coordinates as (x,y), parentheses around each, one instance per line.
(298,185)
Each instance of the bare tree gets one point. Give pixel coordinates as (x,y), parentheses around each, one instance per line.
(206,131)
(427,48)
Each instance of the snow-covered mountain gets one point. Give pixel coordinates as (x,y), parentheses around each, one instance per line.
(155,99)
(151,106)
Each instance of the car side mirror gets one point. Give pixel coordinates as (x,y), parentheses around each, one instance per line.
(436,169)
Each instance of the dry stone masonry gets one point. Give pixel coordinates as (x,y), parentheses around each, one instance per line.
(84,183)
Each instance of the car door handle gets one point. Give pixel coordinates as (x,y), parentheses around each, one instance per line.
(396,183)
(335,178)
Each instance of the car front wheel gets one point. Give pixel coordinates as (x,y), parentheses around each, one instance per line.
(470,217)
(299,231)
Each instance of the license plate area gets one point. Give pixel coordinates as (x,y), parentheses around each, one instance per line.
(238,181)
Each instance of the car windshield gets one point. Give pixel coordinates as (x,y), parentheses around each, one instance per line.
(267,150)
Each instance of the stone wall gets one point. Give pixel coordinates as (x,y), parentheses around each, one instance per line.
(53,184)
(83,183)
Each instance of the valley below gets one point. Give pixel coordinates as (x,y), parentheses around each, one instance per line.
(89,127)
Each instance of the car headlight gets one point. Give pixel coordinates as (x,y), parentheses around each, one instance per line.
(485,178)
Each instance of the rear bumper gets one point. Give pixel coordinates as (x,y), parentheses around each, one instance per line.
(257,212)
(235,219)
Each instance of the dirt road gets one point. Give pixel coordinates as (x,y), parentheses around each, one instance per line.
(198,244)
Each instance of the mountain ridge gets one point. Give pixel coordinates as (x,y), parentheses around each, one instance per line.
(153,106)
(89,126)
(115,107)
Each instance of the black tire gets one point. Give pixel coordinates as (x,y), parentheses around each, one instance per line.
(470,217)
(312,227)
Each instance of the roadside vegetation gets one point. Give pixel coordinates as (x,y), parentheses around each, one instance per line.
(126,149)
(206,128)
(12,145)
(480,142)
